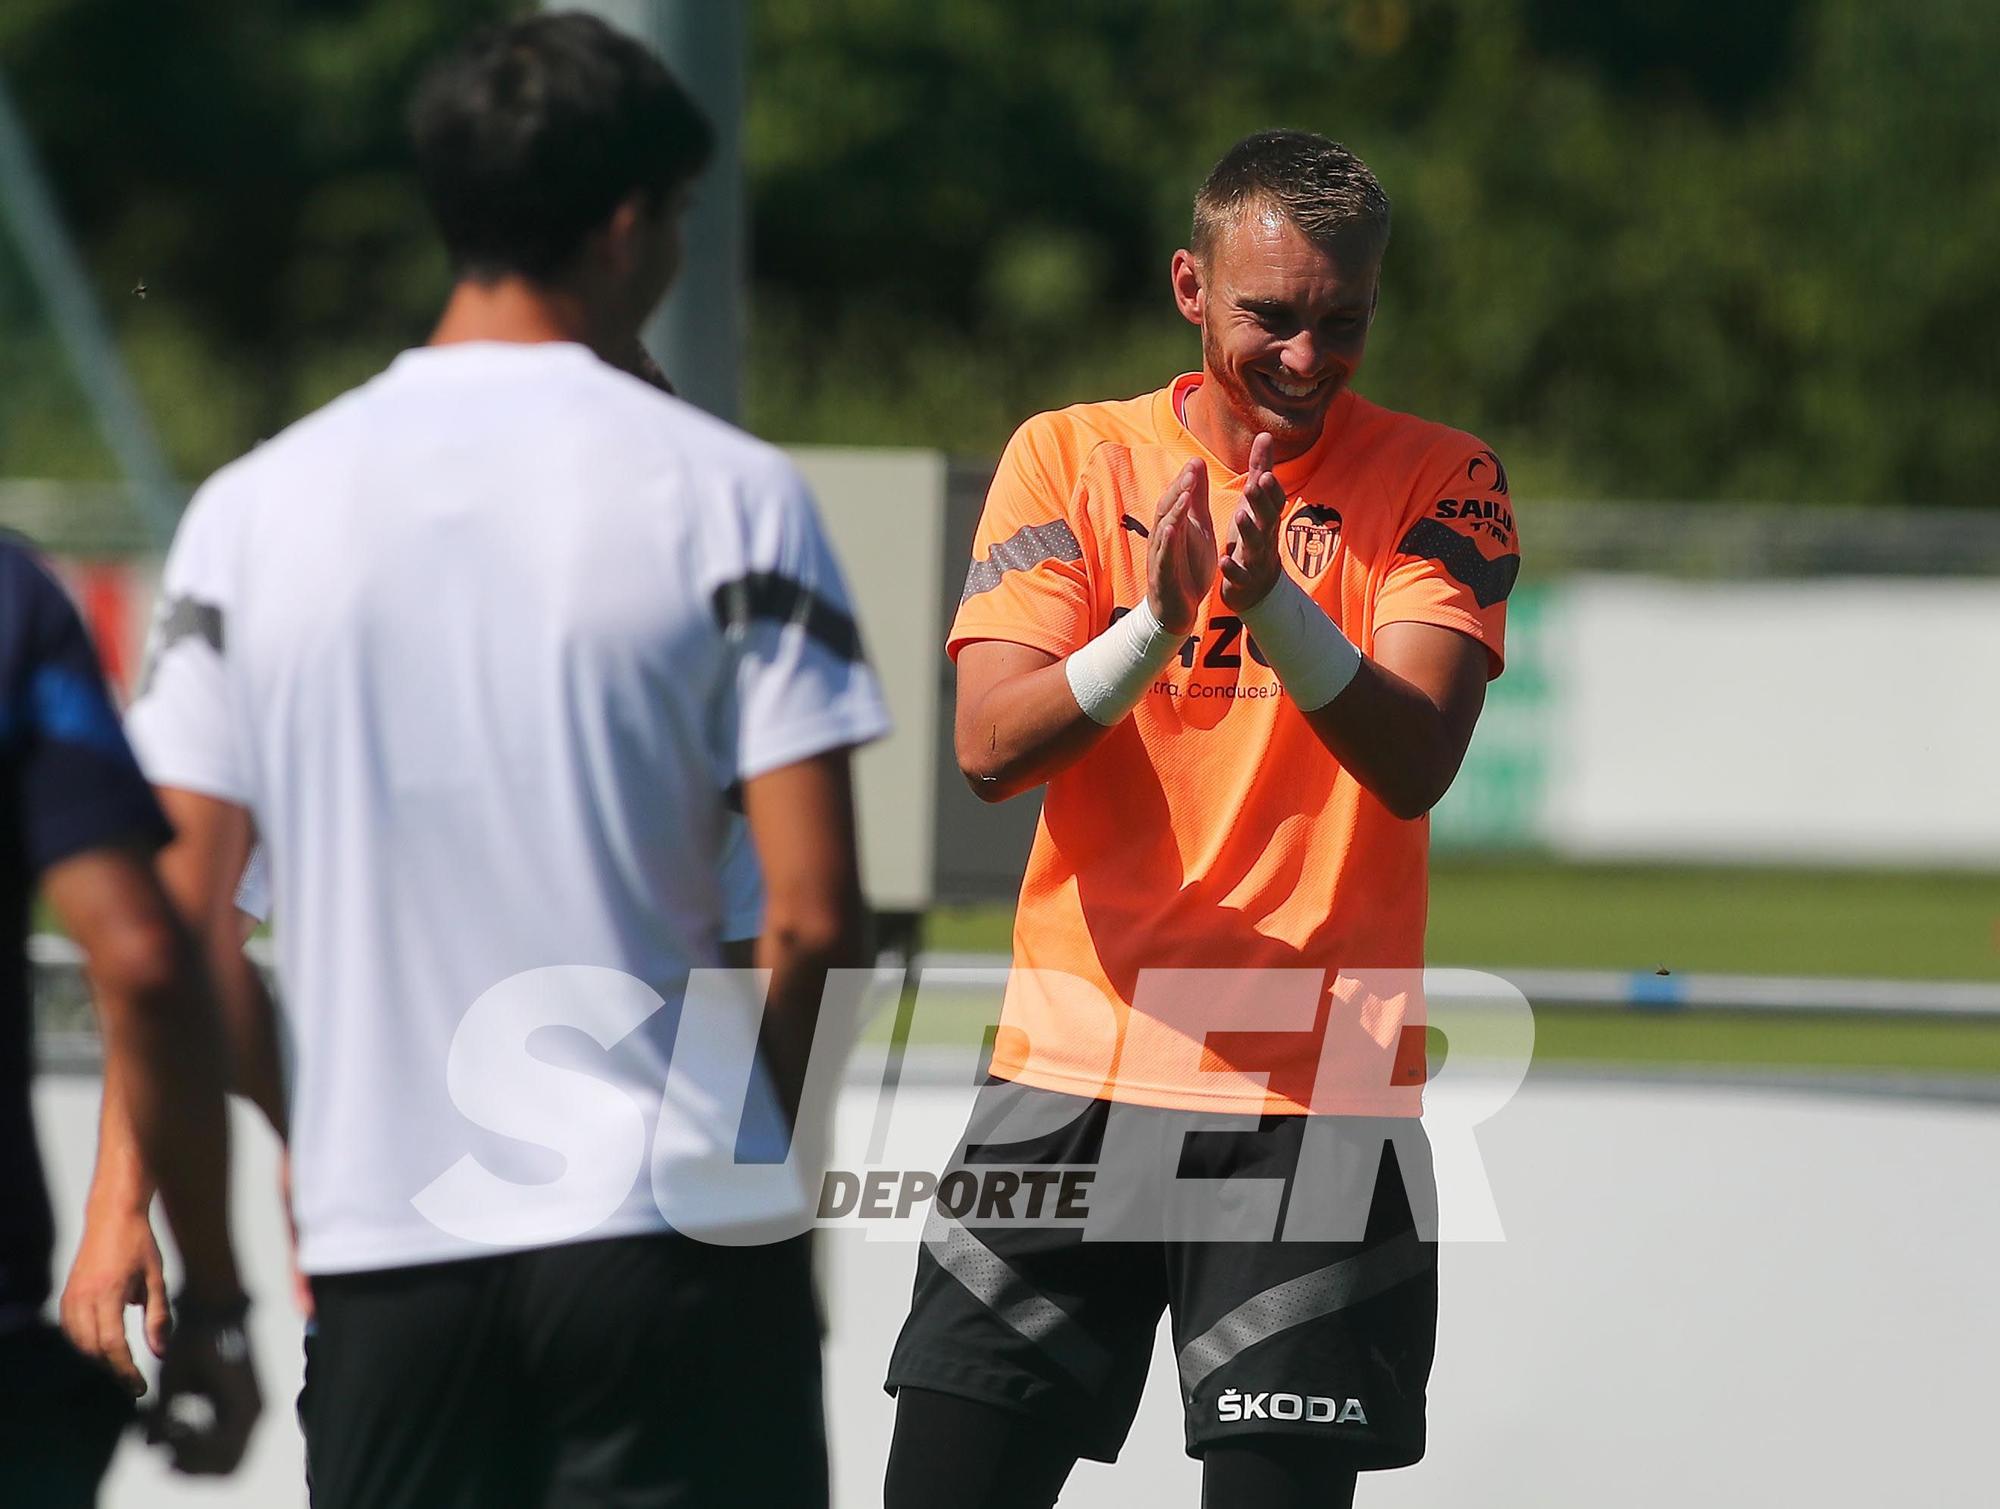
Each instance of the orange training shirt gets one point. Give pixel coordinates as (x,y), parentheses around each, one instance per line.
(1211,830)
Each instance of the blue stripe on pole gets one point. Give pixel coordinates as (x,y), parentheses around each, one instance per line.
(1655,992)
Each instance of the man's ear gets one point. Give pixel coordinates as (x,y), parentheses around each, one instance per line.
(623,229)
(1190,286)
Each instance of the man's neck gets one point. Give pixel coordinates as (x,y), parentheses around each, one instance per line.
(1225,436)
(516,311)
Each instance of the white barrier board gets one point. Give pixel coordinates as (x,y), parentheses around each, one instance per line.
(1855,721)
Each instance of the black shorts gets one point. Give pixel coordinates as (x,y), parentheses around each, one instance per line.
(1326,1339)
(60,1418)
(648,1370)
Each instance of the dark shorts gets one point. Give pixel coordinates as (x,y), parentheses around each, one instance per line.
(60,1418)
(1325,1339)
(637,1371)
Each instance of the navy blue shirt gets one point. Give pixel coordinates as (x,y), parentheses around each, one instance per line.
(68,784)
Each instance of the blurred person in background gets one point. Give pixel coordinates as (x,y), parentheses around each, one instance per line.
(118,1263)
(81,823)
(1241,629)
(480,652)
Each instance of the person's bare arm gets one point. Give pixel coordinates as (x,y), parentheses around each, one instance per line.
(802,823)
(1018,722)
(1401,726)
(165,1073)
(117,1261)
(165,1059)
(162,1047)
(200,869)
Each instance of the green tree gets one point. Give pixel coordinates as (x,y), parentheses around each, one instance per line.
(1648,251)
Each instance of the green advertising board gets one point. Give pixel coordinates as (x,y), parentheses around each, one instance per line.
(1500,799)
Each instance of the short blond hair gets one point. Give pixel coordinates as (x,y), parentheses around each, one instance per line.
(1313,181)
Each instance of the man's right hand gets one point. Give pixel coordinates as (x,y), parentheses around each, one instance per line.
(1182,556)
(209,1399)
(117,1264)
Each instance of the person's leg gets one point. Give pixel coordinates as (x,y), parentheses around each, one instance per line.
(949,1450)
(1326,1343)
(663,1371)
(410,1396)
(1276,1472)
(1023,1314)
(60,1418)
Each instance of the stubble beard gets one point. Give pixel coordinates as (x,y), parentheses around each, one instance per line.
(1250,412)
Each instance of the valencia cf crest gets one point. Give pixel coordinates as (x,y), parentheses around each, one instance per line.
(1310,535)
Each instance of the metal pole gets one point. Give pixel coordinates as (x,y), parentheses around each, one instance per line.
(26,206)
(697,334)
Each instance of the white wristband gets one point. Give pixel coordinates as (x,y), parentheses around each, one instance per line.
(1313,659)
(1109,675)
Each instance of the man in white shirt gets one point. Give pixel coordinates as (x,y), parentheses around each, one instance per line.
(477,652)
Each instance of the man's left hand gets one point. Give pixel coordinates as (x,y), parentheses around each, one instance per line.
(117,1264)
(1250,565)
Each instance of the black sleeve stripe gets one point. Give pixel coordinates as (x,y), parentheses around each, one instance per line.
(190,618)
(182,618)
(769,597)
(1490,581)
(1026,547)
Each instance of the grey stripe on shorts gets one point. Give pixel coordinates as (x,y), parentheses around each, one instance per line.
(1296,1301)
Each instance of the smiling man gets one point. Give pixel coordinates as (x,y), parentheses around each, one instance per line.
(1241,629)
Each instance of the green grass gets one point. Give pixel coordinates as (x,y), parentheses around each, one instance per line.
(1539,914)
(1544,915)
(1889,925)
(1768,1039)
(1529,914)
(1582,1035)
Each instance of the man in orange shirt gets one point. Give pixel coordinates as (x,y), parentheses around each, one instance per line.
(1241,629)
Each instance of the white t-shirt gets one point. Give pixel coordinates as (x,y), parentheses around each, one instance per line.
(742,885)
(482,645)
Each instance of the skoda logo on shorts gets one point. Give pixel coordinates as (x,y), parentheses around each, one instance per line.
(1314,1408)
(1309,536)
